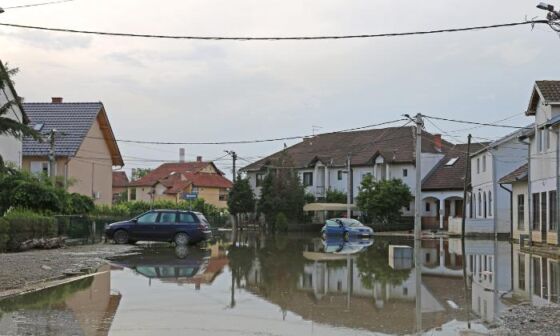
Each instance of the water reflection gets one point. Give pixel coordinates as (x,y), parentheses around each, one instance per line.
(293,284)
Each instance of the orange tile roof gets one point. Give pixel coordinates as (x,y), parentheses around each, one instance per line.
(167,169)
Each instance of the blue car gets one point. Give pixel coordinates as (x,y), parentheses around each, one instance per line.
(345,227)
(181,227)
(338,245)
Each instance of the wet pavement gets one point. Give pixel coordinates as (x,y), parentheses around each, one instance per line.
(293,285)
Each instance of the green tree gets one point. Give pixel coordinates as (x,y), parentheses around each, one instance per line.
(241,198)
(11,126)
(383,200)
(138,173)
(282,192)
(335,196)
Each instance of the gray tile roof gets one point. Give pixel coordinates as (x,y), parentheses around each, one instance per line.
(550,90)
(71,120)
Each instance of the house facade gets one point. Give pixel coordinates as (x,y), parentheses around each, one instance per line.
(120,186)
(518,180)
(85,147)
(10,146)
(544,164)
(183,180)
(489,208)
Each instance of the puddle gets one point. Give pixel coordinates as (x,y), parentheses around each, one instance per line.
(292,285)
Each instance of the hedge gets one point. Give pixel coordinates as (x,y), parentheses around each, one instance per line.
(18,226)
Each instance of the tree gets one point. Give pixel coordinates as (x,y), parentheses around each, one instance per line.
(383,200)
(282,192)
(138,173)
(9,126)
(241,198)
(335,196)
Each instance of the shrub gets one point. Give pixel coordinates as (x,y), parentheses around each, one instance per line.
(4,228)
(24,225)
(281,222)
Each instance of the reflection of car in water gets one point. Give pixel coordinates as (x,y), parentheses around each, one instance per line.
(345,227)
(337,245)
(166,263)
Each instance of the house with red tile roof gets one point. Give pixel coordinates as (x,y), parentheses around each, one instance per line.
(183,180)
(120,185)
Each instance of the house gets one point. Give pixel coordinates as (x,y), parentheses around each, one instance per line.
(183,180)
(11,147)
(442,190)
(544,165)
(120,186)
(85,147)
(383,153)
(518,179)
(489,208)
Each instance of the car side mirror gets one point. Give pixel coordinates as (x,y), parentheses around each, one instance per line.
(134,221)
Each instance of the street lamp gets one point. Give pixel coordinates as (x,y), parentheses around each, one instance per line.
(552,14)
(1,10)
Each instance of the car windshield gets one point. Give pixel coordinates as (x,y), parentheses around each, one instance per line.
(351,222)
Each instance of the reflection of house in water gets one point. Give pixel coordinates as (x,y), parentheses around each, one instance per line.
(489,268)
(87,311)
(535,277)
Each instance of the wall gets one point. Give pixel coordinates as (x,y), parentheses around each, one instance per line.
(93,175)
(10,147)
(212,196)
(520,188)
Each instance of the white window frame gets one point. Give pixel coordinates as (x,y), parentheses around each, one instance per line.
(41,165)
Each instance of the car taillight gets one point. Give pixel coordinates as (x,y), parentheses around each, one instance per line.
(202,226)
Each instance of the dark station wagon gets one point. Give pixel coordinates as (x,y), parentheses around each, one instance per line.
(181,227)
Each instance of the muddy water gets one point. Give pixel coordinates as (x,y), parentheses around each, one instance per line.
(292,285)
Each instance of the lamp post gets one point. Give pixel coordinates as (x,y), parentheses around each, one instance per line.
(1,10)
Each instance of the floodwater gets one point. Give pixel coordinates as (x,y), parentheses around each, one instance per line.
(293,285)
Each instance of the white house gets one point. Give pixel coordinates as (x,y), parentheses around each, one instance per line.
(11,147)
(489,208)
(382,153)
(544,165)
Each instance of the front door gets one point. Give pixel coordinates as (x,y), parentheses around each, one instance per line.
(144,227)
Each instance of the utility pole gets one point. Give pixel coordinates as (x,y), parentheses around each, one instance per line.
(52,157)
(349,186)
(418,195)
(465,186)
(233,155)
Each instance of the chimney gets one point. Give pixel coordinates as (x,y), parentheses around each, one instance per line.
(56,100)
(437,142)
(199,159)
(133,174)
(181,155)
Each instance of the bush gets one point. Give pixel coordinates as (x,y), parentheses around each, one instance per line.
(281,222)
(4,228)
(25,225)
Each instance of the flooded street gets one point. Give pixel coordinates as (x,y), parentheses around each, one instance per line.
(293,285)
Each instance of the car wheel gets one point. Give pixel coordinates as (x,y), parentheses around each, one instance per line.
(346,235)
(181,239)
(324,235)
(132,242)
(120,237)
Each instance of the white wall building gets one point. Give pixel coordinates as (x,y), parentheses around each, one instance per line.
(489,208)
(11,147)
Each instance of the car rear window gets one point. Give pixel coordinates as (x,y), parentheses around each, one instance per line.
(167,217)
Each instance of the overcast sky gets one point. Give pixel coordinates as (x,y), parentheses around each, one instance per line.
(173,90)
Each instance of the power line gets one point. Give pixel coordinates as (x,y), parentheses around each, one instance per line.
(476,123)
(276,38)
(238,142)
(39,4)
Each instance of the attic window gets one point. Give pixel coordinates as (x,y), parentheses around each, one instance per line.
(452,161)
(38,127)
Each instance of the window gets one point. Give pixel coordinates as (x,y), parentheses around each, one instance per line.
(536,216)
(339,175)
(471,206)
(405,172)
(167,217)
(148,218)
(537,276)
(40,167)
(479,204)
(544,212)
(407,207)
(405,291)
(490,204)
(223,197)
(133,194)
(451,161)
(185,217)
(484,163)
(554,281)
(521,280)
(547,138)
(553,214)
(478,165)
(521,212)
(428,207)
(259,178)
(540,139)
(484,204)
(307,179)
